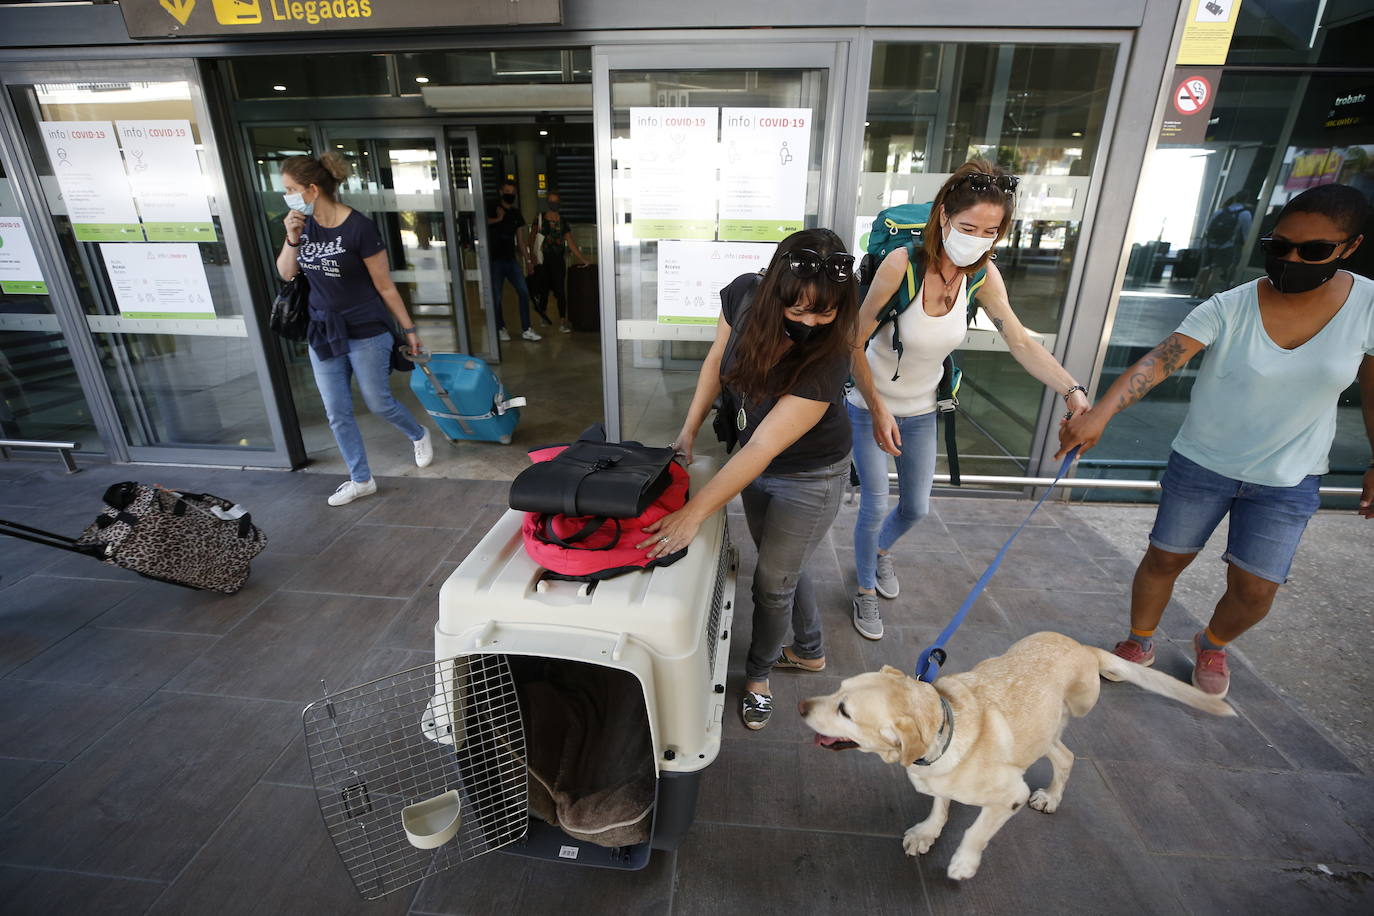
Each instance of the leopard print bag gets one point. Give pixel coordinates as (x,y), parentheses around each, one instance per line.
(191,539)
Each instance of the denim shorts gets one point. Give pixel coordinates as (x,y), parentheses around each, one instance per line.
(1266,522)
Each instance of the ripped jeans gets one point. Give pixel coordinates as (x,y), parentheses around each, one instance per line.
(788,515)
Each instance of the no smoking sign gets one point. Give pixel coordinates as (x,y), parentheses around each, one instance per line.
(1190,105)
(1192,95)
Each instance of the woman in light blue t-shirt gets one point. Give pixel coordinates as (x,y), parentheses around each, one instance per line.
(1262,417)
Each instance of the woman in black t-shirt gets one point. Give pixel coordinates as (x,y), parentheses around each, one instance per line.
(353,302)
(779,364)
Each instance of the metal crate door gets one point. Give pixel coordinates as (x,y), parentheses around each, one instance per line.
(380,748)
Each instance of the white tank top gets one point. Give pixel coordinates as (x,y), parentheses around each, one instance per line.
(926,341)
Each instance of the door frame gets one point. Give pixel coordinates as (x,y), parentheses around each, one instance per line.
(78,327)
(830,53)
(468,136)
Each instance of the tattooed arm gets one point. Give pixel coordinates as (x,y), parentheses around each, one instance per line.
(1152,368)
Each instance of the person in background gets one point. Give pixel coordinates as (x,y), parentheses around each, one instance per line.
(779,365)
(1260,423)
(509,255)
(352,304)
(1222,244)
(555,240)
(892,404)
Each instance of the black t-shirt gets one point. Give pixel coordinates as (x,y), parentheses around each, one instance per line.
(826,443)
(332,260)
(502,234)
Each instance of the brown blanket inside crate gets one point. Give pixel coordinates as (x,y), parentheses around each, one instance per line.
(590,759)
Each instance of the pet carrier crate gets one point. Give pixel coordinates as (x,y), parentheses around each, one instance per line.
(561,720)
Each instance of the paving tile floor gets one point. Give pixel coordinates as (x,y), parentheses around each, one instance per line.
(151,759)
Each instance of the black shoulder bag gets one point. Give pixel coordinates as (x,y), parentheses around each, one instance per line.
(291,309)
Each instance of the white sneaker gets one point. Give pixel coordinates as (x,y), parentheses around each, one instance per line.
(424,450)
(349,491)
(503,334)
(566,329)
(528,334)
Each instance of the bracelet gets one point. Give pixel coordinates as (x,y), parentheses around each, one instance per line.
(293,244)
(409,330)
(1072,390)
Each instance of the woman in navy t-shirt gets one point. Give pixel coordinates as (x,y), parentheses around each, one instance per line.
(352,304)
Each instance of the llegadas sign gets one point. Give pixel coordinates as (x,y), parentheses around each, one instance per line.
(226,18)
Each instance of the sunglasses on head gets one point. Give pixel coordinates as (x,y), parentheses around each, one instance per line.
(805,263)
(981,181)
(1309,251)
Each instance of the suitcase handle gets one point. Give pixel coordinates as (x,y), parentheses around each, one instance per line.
(49,539)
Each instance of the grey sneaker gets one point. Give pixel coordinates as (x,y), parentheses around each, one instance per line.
(756,710)
(888,586)
(867,620)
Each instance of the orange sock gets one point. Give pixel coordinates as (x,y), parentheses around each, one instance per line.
(1143,634)
(1209,640)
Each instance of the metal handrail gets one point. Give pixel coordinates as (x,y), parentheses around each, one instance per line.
(1082,483)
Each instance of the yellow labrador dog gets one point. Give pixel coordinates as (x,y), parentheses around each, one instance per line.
(970,737)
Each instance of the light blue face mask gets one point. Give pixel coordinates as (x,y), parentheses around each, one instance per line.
(297,202)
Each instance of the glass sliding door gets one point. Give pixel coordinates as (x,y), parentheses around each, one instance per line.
(40,393)
(704,167)
(132,188)
(1040,111)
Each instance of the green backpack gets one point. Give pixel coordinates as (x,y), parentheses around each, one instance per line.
(903,226)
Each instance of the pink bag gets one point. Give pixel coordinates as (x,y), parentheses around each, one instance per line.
(592,547)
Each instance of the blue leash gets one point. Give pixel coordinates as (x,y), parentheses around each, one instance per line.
(928,665)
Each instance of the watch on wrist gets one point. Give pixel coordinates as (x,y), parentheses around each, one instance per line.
(293,244)
(409,330)
(1068,393)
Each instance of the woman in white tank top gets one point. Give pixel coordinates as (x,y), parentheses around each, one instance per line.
(896,416)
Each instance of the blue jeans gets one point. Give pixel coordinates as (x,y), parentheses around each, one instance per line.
(1266,522)
(915,473)
(370,360)
(788,515)
(501,271)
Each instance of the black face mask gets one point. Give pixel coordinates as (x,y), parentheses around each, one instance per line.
(800,333)
(508,198)
(1299,276)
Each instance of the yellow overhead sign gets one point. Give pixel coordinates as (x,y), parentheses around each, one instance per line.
(1207,32)
(206,18)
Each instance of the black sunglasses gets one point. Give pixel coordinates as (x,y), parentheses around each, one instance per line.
(806,263)
(1309,251)
(981,181)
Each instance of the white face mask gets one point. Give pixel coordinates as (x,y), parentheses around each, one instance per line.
(297,202)
(964,249)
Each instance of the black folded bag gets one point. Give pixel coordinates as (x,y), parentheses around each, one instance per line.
(594,477)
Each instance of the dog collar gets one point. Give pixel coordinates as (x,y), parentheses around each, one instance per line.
(946,729)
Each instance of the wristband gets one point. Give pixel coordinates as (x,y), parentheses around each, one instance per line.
(1072,390)
(293,244)
(409,330)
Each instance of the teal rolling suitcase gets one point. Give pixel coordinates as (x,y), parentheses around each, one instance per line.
(465,398)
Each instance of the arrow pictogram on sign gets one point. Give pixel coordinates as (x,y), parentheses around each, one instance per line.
(180,9)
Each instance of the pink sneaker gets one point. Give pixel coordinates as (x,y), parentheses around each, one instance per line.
(1210,674)
(1131,650)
